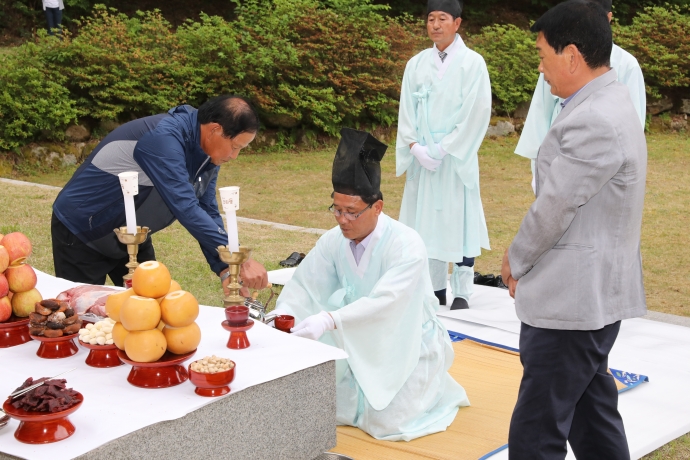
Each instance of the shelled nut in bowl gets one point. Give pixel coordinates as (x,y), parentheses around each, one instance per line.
(213,378)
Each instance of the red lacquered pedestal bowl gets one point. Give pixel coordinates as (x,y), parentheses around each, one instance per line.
(14,331)
(102,355)
(284,323)
(164,373)
(56,347)
(237,315)
(42,427)
(212,384)
(238,334)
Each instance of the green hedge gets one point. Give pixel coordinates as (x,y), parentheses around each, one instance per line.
(308,64)
(660,40)
(33,100)
(512,62)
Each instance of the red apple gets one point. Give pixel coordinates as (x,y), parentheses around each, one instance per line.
(4,287)
(21,278)
(24,303)
(18,247)
(5,309)
(4,259)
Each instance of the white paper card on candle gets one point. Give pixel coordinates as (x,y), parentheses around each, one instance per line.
(129,181)
(230,199)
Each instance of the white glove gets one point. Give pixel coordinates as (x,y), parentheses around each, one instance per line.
(441,151)
(314,326)
(421,153)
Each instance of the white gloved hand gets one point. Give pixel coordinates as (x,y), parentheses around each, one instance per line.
(441,151)
(314,326)
(421,153)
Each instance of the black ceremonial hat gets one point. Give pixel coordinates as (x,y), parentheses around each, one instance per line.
(356,166)
(452,7)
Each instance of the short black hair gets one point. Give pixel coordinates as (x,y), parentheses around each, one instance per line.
(371,199)
(581,23)
(607,5)
(235,114)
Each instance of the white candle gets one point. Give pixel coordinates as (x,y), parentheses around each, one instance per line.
(233,237)
(230,199)
(130,214)
(130,187)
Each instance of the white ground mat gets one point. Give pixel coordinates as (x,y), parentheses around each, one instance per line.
(113,408)
(654,413)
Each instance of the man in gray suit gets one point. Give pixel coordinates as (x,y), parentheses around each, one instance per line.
(574,267)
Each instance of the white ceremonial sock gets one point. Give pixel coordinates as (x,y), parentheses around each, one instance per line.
(462,282)
(438,270)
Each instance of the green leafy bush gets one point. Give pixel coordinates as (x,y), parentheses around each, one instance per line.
(120,67)
(303,63)
(31,102)
(660,40)
(512,62)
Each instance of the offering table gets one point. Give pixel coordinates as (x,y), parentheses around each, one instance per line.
(281,404)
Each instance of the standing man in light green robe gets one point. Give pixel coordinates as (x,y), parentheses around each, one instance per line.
(545,107)
(445,109)
(365,288)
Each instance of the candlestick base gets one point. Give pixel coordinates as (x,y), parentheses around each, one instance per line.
(234,260)
(132,240)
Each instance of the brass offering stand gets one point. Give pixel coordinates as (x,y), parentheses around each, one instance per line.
(234,301)
(132,240)
(234,260)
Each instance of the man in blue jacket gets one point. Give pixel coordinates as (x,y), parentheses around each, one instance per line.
(177,155)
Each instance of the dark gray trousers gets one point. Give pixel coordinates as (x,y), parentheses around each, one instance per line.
(566,394)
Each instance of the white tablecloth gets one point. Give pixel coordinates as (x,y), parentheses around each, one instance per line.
(113,408)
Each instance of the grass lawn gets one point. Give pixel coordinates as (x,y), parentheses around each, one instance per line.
(294,187)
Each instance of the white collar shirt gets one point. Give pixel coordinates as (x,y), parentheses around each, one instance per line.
(359,248)
(451,51)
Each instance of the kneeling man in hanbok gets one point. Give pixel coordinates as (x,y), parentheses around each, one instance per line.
(365,288)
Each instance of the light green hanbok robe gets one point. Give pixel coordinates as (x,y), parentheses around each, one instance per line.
(545,107)
(395,383)
(447,103)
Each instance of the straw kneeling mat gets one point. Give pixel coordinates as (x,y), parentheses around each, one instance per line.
(491,376)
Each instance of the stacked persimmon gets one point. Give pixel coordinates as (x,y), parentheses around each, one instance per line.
(154,315)
(18,291)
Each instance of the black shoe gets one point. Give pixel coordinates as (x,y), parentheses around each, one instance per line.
(441,296)
(459,304)
(485,280)
(499,282)
(292,261)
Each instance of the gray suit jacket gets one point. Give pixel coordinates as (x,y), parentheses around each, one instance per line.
(577,253)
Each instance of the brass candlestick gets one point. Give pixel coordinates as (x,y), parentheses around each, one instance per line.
(132,240)
(234,260)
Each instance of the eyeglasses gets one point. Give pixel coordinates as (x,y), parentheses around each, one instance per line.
(348,215)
